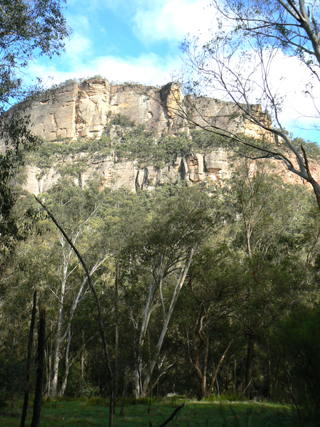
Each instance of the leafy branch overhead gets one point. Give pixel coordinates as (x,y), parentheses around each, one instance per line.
(28,28)
(240,63)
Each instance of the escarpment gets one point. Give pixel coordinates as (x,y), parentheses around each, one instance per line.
(84,110)
(97,110)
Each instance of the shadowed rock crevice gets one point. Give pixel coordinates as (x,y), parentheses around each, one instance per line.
(88,110)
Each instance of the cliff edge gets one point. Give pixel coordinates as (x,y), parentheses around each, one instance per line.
(84,110)
(81,111)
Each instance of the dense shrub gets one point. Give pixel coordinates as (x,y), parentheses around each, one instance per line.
(299,340)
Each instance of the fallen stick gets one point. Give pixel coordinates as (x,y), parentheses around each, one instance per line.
(171,416)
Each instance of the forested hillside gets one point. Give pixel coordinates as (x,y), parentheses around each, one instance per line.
(160,241)
(203,289)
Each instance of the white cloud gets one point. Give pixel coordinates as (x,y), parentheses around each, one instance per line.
(79,23)
(289,79)
(77,45)
(157,20)
(281,77)
(145,69)
(171,20)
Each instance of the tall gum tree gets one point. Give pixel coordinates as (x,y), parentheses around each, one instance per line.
(236,65)
(28,28)
(271,278)
(47,262)
(159,258)
(82,217)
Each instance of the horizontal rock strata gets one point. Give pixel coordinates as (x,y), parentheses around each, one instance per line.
(192,168)
(86,109)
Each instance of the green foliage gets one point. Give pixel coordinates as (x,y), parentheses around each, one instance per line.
(205,142)
(299,341)
(8,225)
(28,29)
(151,150)
(69,158)
(11,375)
(132,143)
(230,292)
(312,149)
(121,120)
(15,223)
(81,387)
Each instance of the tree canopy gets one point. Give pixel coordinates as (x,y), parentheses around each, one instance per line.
(27,29)
(236,64)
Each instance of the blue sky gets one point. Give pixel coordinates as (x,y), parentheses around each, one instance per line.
(138,41)
(132,40)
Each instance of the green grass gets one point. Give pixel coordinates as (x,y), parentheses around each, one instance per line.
(67,413)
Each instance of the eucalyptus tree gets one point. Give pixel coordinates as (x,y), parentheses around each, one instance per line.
(237,63)
(244,280)
(272,254)
(209,333)
(298,346)
(157,259)
(28,28)
(47,263)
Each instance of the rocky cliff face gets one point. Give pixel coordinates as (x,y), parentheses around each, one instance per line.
(192,168)
(85,111)
(213,167)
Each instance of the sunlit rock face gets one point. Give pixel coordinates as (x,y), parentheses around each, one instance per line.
(86,109)
(192,168)
(53,115)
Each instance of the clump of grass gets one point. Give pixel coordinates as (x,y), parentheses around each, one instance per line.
(230,397)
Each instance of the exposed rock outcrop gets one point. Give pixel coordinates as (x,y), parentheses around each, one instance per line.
(192,168)
(84,110)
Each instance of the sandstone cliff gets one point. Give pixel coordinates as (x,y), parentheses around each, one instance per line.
(129,174)
(85,110)
(212,168)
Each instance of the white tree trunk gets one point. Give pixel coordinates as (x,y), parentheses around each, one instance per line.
(176,292)
(145,322)
(60,338)
(61,299)
(67,366)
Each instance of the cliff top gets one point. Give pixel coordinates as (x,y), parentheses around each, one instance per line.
(85,109)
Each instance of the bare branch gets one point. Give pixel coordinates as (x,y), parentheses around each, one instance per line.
(105,345)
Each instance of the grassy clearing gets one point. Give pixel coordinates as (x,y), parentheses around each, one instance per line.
(94,412)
